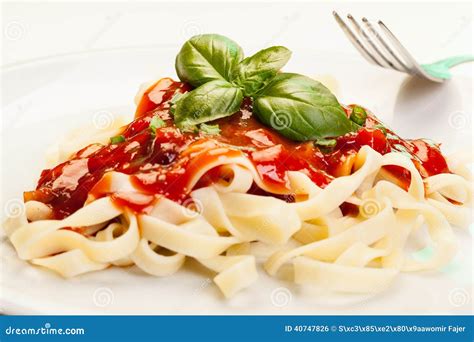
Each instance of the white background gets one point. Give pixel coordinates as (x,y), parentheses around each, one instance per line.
(38,29)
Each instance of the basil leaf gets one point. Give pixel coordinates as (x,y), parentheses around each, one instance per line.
(254,72)
(212,100)
(207,57)
(301,108)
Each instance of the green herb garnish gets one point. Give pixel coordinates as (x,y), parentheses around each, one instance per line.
(117,139)
(299,107)
(209,129)
(326,142)
(155,123)
(381,128)
(325,145)
(358,115)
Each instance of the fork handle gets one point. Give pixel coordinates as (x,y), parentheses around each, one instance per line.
(440,69)
(453,61)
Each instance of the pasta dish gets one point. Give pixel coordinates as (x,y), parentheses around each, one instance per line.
(240,164)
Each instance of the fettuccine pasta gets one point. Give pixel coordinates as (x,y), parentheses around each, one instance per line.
(154,201)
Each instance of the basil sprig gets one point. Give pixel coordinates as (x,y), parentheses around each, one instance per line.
(299,107)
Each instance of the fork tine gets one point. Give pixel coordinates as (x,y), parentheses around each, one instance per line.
(415,69)
(381,60)
(354,40)
(395,61)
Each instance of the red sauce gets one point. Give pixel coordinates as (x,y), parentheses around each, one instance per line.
(163,163)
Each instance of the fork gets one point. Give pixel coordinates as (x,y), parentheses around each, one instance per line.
(379,46)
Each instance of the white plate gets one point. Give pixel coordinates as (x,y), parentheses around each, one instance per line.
(45,98)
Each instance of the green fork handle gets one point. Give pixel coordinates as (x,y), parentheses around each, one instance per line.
(441,68)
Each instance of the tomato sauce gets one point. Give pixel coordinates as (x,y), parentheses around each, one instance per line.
(164,162)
